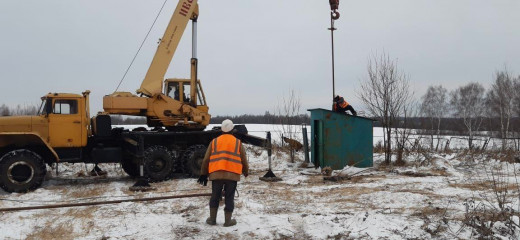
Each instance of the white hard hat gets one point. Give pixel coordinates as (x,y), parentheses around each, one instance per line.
(227,125)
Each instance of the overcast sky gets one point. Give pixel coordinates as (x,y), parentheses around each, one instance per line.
(252,52)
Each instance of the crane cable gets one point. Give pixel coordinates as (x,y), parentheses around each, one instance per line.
(142,43)
(334,15)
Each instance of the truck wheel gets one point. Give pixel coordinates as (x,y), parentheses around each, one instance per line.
(192,158)
(158,163)
(130,167)
(21,171)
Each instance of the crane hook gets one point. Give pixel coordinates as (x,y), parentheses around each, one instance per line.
(334,4)
(334,15)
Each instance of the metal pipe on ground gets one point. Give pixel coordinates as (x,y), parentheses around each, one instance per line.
(66,205)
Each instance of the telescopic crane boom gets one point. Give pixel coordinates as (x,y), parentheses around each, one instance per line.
(153,81)
(167,107)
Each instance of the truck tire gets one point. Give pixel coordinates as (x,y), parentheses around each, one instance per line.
(21,171)
(130,167)
(192,159)
(159,163)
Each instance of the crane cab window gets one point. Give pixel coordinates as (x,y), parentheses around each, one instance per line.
(199,97)
(65,106)
(173,90)
(187,89)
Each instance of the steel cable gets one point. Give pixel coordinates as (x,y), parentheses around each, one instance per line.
(142,43)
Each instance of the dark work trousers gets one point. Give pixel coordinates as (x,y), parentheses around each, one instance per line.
(216,194)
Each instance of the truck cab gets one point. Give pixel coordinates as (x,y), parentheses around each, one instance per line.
(67,119)
(27,143)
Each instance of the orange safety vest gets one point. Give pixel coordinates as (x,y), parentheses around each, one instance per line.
(225,154)
(342,103)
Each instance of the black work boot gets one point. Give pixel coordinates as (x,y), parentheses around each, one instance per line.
(228,221)
(212,220)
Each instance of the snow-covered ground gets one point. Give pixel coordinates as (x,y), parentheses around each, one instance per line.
(425,200)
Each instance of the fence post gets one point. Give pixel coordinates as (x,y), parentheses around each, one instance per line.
(305,143)
(447,147)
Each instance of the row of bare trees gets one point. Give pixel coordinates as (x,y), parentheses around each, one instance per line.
(387,96)
(473,104)
(18,110)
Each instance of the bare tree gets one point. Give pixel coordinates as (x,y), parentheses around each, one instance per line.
(500,99)
(19,110)
(468,103)
(433,106)
(24,110)
(4,110)
(516,101)
(385,93)
(403,129)
(288,109)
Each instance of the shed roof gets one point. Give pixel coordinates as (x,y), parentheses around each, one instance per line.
(321,109)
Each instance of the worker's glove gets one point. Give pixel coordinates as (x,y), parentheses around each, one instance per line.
(203,180)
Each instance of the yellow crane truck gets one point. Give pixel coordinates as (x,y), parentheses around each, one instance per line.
(64,132)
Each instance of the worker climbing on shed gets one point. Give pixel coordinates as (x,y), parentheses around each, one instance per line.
(224,161)
(341,106)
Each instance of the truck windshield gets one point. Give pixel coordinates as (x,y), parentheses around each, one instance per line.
(42,110)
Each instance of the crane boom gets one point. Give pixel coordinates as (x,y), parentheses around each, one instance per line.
(153,81)
(172,108)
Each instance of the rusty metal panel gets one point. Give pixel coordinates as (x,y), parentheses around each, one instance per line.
(339,140)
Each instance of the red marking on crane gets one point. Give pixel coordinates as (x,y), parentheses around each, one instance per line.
(186,5)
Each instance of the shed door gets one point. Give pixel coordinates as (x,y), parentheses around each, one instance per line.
(317,129)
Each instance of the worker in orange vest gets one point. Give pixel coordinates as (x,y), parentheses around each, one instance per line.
(341,106)
(224,161)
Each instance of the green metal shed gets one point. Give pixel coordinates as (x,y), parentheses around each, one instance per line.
(338,139)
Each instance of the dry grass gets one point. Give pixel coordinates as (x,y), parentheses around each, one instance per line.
(53,230)
(96,190)
(429,211)
(255,151)
(81,213)
(182,232)
(345,195)
(508,156)
(485,186)
(227,236)
(420,192)
(367,178)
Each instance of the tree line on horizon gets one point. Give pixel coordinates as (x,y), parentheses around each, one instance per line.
(450,125)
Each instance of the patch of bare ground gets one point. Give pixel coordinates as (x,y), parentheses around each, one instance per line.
(80,213)
(431,173)
(53,230)
(227,236)
(318,180)
(421,192)
(429,211)
(182,232)
(351,191)
(367,178)
(485,186)
(82,193)
(472,186)
(250,235)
